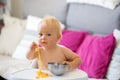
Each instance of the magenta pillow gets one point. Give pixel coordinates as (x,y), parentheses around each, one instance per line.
(72,39)
(96,53)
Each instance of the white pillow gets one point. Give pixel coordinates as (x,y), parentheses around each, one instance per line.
(9,20)
(30,35)
(113,72)
(116,34)
(33,21)
(111,4)
(11,34)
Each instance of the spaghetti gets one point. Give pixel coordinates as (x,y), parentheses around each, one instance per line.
(40,73)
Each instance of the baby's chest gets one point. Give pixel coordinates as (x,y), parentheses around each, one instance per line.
(53,58)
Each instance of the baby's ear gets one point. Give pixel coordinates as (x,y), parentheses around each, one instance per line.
(59,36)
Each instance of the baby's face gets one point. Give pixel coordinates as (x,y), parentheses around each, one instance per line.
(48,37)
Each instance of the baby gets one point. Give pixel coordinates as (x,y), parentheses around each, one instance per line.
(50,51)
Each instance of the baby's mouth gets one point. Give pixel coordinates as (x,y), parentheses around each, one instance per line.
(43,42)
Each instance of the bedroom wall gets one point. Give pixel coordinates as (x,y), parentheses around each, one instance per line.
(44,7)
(39,8)
(16,8)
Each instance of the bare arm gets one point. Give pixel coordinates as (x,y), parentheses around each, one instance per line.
(31,52)
(72,59)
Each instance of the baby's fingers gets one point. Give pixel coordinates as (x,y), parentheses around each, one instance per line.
(34,45)
(64,62)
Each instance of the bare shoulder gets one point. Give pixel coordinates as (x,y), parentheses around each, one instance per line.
(62,47)
(65,49)
(69,54)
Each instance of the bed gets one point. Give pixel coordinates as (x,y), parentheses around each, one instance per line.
(101,25)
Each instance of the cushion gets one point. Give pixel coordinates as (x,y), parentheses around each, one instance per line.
(116,34)
(11,34)
(96,52)
(72,39)
(1,25)
(111,4)
(114,67)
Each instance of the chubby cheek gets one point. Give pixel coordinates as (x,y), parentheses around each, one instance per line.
(52,41)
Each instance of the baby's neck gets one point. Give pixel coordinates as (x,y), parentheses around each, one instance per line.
(51,48)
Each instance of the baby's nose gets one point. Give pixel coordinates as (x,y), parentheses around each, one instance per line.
(43,37)
(42,40)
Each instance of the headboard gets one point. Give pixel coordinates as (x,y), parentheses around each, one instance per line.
(92,18)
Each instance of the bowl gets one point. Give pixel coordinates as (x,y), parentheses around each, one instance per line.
(58,69)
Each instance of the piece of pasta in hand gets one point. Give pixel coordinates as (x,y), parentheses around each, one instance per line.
(40,73)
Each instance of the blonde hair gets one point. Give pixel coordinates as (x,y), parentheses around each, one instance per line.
(52,22)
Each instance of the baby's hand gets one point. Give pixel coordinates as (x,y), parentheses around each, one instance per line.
(31,52)
(33,46)
(66,62)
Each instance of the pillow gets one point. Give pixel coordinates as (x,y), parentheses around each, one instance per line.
(33,21)
(11,34)
(116,34)
(111,4)
(30,35)
(72,39)
(9,20)
(96,52)
(1,26)
(114,67)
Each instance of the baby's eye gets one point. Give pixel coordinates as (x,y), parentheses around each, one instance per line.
(40,34)
(48,34)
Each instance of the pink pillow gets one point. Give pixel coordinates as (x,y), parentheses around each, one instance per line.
(72,39)
(96,53)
